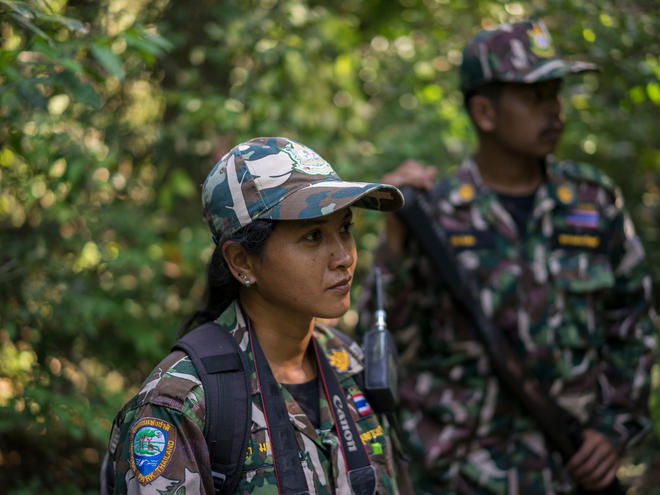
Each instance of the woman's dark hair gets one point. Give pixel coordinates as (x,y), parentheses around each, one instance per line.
(221,286)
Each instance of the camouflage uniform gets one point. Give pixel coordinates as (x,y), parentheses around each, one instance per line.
(172,398)
(574,296)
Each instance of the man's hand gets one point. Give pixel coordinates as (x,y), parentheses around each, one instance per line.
(594,466)
(409,173)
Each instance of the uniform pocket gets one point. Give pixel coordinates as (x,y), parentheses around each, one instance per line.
(581,279)
(379,448)
(258,454)
(581,271)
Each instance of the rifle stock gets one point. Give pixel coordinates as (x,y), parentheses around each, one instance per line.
(560,428)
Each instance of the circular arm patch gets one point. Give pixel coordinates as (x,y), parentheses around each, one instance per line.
(152,445)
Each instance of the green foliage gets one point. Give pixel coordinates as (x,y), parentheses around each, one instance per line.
(112,114)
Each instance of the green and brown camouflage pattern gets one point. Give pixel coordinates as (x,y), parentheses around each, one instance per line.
(279,179)
(173,393)
(522,52)
(574,295)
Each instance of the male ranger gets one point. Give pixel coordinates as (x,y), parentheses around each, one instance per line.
(559,270)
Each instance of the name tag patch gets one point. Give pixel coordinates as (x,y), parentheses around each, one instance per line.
(578,240)
(152,445)
(371,434)
(476,239)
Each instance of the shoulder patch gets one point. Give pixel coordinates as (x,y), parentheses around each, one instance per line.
(345,355)
(583,171)
(152,443)
(339,360)
(466,192)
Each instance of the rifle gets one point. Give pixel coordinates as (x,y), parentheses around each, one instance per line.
(561,429)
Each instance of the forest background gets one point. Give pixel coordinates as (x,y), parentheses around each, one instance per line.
(113,112)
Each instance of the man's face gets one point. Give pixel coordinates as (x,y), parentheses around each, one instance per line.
(528,118)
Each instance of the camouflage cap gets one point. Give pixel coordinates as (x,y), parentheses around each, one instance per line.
(522,52)
(279,179)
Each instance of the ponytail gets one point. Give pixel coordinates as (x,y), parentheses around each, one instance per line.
(221,286)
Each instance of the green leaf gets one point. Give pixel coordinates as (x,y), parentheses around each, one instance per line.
(86,94)
(181,184)
(81,91)
(151,43)
(19,7)
(67,22)
(73,65)
(31,95)
(108,60)
(25,22)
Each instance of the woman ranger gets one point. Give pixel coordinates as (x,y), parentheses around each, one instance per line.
(285,255)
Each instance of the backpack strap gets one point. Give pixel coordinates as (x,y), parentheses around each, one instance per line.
(222,369)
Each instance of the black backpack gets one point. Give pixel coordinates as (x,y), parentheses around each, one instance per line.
(221,366)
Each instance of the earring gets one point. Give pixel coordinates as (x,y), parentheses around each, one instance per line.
(246,280)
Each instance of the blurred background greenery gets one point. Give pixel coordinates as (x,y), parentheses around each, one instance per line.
(113,112)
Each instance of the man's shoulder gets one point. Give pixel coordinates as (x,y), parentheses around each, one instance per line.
(458,186)
(581,172)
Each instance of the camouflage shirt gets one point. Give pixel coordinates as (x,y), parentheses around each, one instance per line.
(573,294)
(171,401)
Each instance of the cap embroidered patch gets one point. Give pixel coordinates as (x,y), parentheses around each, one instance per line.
(361,403)
(539,41)
(339,360)
(307,160)
(152,444)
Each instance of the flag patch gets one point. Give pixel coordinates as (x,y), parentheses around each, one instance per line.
(361,403)
(584,216)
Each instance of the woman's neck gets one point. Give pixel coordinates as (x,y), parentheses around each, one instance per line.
(285,342)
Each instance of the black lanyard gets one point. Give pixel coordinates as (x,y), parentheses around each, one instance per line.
(287,456)
(361,473)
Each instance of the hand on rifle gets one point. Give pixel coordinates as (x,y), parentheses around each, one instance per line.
(408,173)
(595,464)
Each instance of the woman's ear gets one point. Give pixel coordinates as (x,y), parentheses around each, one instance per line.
(238,262)
(483,112)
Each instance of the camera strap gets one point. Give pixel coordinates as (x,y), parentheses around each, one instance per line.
(287,456)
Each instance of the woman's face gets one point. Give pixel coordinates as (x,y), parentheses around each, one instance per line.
(306,268)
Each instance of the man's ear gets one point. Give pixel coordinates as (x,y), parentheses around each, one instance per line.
(483,112)
(238,261)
